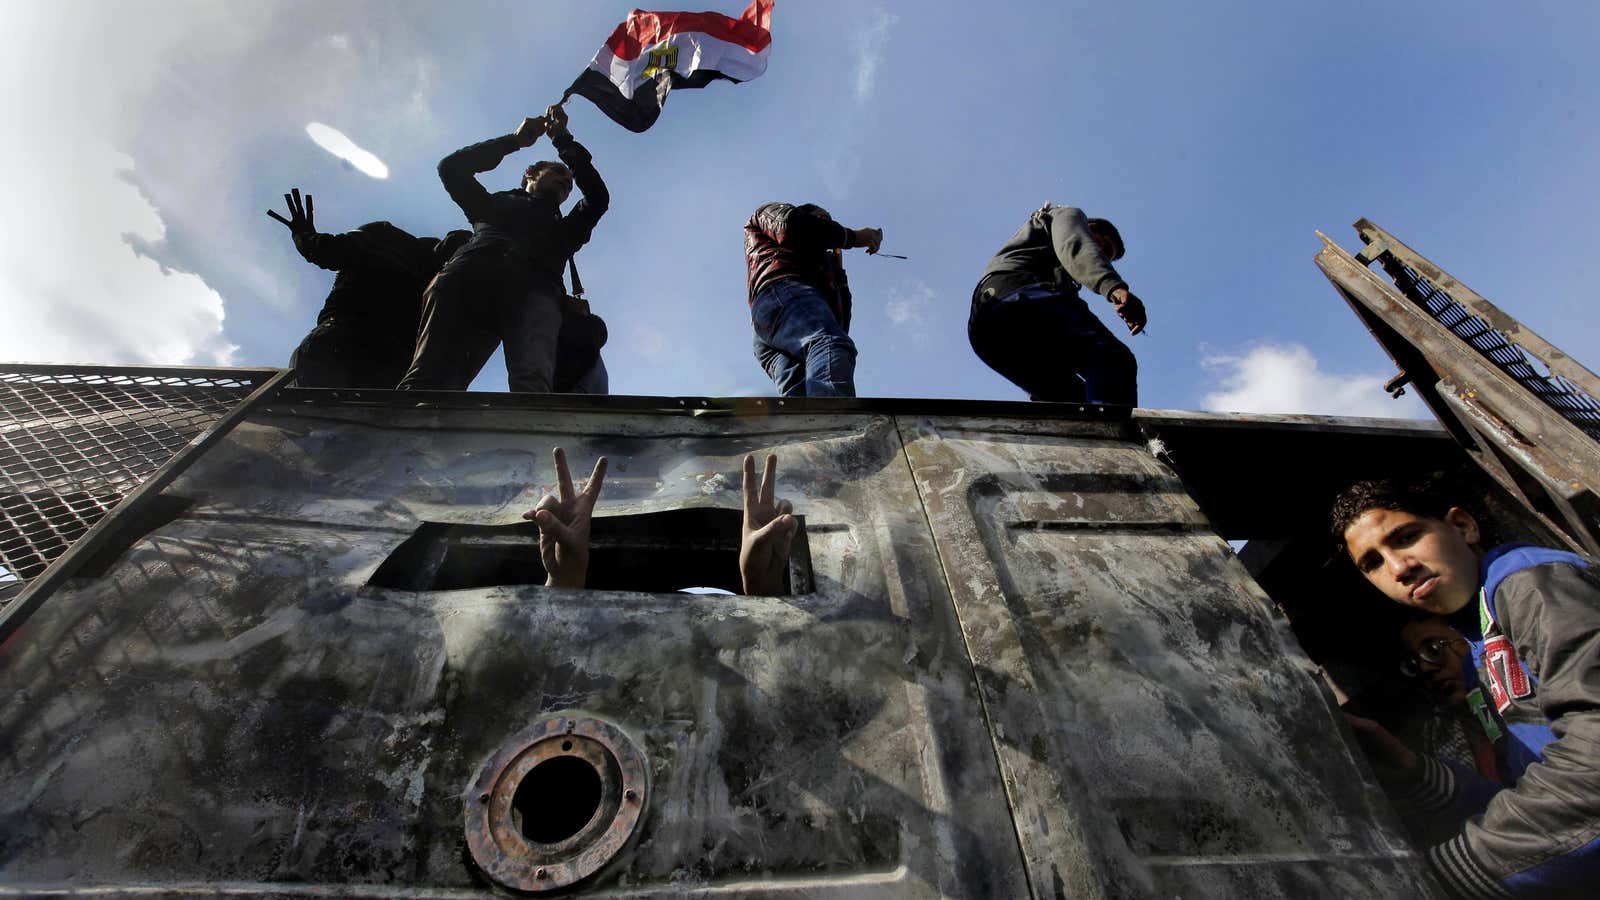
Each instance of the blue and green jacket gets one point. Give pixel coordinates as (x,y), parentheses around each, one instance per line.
(1536,679)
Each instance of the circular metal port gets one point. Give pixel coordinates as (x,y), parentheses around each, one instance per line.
(555,803)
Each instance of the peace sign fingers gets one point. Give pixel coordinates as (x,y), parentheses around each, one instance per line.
(597,480)
(563,476)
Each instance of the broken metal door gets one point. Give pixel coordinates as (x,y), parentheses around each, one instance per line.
(1159,731)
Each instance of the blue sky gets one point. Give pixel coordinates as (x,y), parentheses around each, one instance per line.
(1217,136)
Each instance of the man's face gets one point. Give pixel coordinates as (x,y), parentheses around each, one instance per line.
(1431,564)
(550,182)
(1444,676)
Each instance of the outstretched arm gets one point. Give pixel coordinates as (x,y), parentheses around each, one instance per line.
(564,524)
(768,532)
(807,227)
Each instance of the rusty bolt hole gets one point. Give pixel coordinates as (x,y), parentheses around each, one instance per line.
(557,798)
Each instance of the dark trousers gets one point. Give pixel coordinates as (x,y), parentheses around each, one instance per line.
(1051,345)
(471,307)
(350,357)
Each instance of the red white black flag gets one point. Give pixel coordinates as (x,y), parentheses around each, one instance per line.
(653,52)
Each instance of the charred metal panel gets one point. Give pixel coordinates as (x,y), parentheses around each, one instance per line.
(1159,731)
(231,707)
(1019,662)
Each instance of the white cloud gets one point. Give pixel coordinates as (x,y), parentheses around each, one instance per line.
(870,43)
(133,214)
(73,288)
(1285,378)
(909,309)
(334,141)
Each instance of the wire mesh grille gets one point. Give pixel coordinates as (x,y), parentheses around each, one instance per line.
(74,443)
(1560,394)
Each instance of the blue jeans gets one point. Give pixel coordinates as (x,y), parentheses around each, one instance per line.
(800,342)
(1050,345)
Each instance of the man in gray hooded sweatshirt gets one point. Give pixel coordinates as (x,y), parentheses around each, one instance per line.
(1029,324)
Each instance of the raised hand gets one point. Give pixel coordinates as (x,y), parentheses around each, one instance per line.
(564,524)
(530,129)
(870,238)
(769,530)
(300,215)
(556,117)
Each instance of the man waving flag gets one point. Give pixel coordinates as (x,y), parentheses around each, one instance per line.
(654,52)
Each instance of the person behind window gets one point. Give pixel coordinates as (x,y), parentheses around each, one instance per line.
(1531,618)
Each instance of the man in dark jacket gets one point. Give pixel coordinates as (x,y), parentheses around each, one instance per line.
(1531,618)
(1029,324)
(505,284)
(366,332)
(800,298)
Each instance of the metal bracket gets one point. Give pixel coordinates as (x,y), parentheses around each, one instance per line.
(1370,253)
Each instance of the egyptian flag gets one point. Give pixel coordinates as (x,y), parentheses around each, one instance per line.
(653,52)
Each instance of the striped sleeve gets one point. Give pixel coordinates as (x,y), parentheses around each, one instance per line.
(1462,873)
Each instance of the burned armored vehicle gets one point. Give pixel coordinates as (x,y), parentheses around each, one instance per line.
(267,641)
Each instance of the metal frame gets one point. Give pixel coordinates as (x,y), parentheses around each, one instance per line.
(735,407)
(16,612)
(1545,461)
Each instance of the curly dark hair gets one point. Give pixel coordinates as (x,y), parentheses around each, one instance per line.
(1426,497)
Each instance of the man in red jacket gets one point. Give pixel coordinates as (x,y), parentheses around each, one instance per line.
(800,298)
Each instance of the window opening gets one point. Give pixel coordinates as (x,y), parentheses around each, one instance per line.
(660,552)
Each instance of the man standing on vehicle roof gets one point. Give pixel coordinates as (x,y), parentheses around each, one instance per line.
(366,331)
(1029,324)
(505,284)
(800,298)
(1531,617)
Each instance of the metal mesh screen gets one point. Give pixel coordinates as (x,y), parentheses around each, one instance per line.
(73,443)
(1568,399)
